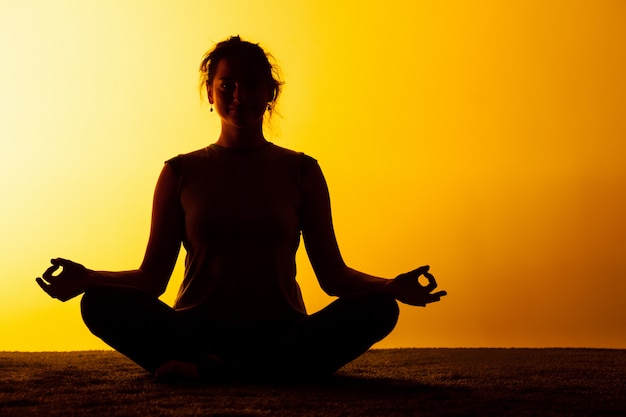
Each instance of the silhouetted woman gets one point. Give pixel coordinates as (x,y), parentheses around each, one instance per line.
(238,207)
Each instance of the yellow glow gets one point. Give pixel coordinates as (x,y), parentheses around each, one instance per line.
(483,138)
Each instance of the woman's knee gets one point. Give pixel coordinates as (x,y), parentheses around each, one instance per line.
(94,305)
(372,314)
(102,306)
(385,310)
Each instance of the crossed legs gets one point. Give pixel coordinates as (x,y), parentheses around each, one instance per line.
(152,334)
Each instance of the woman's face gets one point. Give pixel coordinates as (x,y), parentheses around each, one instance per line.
(239,92)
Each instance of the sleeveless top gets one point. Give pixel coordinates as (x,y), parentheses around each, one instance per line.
(241,218)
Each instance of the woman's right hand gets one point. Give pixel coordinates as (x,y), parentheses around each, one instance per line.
(71,282)
(407,289)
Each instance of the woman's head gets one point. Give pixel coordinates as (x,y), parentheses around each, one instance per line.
(258,64)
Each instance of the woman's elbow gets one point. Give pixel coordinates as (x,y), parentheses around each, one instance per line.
(331,290)
(157,291)
(330,285)
(332,278)
(154,283)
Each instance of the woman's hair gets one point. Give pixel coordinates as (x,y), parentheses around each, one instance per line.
(261,61)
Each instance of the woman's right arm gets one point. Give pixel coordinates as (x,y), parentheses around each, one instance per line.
(166,234)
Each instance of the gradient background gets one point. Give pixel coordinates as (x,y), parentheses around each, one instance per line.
(484,138)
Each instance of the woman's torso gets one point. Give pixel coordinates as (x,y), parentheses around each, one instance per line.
(242,230)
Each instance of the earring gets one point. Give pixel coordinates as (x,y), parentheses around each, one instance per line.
(211,109)
(269,107)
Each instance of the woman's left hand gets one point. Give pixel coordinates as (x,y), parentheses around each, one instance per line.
(407,289)
(71,282)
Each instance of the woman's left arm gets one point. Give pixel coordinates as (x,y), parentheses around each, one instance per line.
(334,276)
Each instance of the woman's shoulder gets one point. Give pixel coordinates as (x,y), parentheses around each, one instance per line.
(289,153)
(303,162)
(177,162)
(191,155)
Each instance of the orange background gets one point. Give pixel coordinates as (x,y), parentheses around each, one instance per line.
(484,138)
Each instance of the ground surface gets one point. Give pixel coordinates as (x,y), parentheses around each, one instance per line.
(404,382)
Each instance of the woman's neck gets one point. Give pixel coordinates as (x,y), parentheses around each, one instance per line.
(241,138)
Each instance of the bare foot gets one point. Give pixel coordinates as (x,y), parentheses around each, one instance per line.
(172,371)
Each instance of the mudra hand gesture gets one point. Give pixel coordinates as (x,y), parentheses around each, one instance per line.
(407,289)
(71,282)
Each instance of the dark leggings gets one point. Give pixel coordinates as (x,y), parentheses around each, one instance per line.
(151,333)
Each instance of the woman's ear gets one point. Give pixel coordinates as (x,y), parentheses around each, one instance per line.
(209,92)
(271,95)
(273,91)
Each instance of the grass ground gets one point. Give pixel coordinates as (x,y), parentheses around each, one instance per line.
(402,382)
